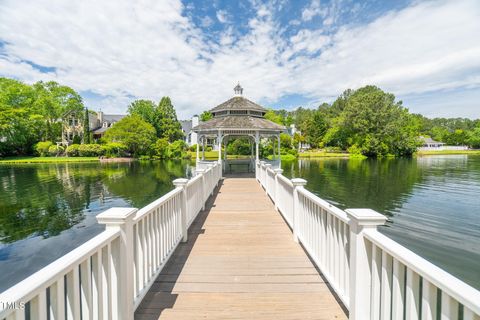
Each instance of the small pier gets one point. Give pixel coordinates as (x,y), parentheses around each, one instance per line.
(240,262)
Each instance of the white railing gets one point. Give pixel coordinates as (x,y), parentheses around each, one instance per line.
(108,276)
(374,276)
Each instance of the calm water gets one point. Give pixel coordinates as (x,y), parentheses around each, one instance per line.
(46,210)
(433,203)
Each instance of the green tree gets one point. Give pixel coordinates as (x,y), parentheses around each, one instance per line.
(206,115)
(167,125)
(145,109)
(86,128)
(52,101)
(474,138)
(377,124)
(20,125)
(135,133)
(273,116)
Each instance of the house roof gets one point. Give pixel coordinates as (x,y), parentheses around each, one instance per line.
(428,140)
(238,122)
(113,117)
(238,103)
(186,125)
(99,130)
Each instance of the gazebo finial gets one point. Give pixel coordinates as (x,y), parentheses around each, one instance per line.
(238,90)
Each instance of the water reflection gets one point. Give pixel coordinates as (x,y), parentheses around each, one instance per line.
(47,210)
(433,203)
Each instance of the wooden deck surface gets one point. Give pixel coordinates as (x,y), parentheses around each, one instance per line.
(240,262)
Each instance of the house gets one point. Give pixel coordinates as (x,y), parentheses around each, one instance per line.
(187,125)
(103,122)
(73,128)
(428,142)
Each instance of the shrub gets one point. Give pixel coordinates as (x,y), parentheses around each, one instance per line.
(193,148)
(176,150)
(160,148)
(43,147)
(72,150)
(114,149)
(208,148)
(54,150)
(90,150)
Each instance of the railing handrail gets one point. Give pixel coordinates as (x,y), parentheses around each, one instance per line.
(45,277)
(285,180)
(152,205)
(454,287)
(337,212)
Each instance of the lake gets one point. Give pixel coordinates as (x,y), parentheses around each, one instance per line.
(433,204)
(46,210)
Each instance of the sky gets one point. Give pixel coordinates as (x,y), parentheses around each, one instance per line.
(285,54)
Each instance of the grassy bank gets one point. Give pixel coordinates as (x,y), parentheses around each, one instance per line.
(323,154)
(47,159)
(445,152)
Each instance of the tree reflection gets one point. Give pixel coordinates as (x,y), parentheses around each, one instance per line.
(380,184)
(46,199)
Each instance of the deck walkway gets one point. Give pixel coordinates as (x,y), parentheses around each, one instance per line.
(240,262)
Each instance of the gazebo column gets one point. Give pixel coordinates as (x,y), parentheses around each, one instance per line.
(198,151)
(279,155)
(257,141)
(219,143)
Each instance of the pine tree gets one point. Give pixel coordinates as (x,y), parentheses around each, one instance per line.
(86,128)
(166,122)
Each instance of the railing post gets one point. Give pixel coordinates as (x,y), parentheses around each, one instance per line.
(182,183)
(267,166)
(122,219)
(202,173)
(262,171)
(360,256)
(212,175)
(298,183)
(275,198)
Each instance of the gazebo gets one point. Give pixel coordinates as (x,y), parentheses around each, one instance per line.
(235,118)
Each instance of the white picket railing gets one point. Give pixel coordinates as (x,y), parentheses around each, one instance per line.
(108,276)
(374,276)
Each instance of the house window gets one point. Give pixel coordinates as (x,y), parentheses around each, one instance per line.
(105,125)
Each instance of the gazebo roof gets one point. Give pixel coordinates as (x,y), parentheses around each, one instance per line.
(238,114)
(238,122)
(238,103)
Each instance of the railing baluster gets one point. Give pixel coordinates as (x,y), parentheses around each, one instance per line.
(376,270)
(97,282)
(398,293)
(86,289)
(429,300)
(412,294)
(57,300)
(73,298)
(386,291)
(449,308)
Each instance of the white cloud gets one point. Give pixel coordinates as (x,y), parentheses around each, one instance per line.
(312,10)
(149,49)
(222,16)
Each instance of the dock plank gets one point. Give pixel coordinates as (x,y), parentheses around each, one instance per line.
(240,263)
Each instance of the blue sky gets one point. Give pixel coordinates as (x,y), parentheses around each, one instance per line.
(284,53)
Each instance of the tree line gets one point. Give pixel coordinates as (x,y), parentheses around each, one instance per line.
(372,122)
(31,124)
(365,121)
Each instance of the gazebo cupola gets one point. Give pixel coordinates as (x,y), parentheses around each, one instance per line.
(237,116)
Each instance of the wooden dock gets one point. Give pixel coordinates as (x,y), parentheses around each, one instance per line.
(240,262)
